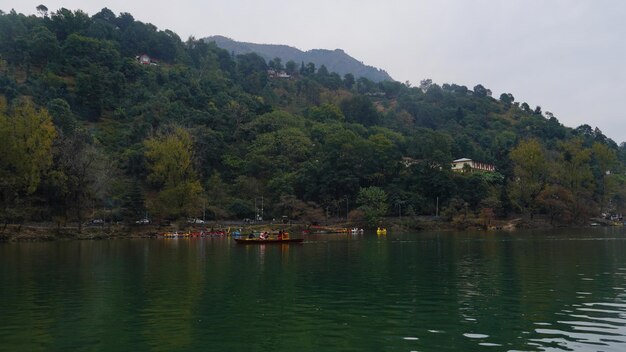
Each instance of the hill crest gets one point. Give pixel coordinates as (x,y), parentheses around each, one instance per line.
(336,60)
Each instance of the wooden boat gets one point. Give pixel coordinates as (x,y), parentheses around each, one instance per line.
(267,241)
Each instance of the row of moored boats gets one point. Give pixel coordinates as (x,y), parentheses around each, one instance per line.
(265,235)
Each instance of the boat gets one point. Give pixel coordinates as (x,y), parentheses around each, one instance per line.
(267,241)
(176,234)
(381,231)
(356,231)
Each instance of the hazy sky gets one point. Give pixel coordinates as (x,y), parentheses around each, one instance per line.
(568,56)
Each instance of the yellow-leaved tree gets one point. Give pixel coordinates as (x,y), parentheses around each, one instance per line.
(531,172)
(177,190)
(26,137)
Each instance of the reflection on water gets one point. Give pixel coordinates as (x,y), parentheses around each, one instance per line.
(596,324)
(526,291)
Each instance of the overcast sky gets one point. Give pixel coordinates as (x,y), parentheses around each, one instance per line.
(568,56)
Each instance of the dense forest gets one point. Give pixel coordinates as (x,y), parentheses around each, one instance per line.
(89,130)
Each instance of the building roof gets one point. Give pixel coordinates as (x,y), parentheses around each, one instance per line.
(461,160)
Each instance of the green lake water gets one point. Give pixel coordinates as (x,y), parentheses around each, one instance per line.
(551,290)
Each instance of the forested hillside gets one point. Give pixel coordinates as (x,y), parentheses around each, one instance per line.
(334,60)
(88,129)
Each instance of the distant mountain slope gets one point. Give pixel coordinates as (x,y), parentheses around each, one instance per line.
(334,60)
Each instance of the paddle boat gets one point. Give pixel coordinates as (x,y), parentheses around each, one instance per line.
(267,241)
(265,238)
(176,234)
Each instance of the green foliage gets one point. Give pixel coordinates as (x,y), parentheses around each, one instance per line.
(304,143)
(326,112)
(373,202)
(62,116)
(360,109)
(179,201)
(252,72)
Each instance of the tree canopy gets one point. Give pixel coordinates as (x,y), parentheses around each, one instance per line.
(197,128)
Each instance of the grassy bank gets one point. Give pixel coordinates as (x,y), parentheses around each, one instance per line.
(14,233)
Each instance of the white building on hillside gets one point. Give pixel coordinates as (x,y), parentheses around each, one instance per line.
(465,164)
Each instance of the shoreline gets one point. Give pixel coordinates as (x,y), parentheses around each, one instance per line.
(48,232)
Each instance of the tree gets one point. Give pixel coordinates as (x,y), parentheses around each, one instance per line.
(307,70)
(326,112)
(322,72)
(276,64)
(373,203)
(65,22)
(26,137)
(281,150)
(251,72)
(425,84)
(308,212)
(606,160)
(507,99)
(42,10)
(105,15)
(360,109)
(81,177)
(124,20)
(557,202)
(44,46)
(481,91)
(531,172)
(133,201)
(348,80)
(62,116)
(172,174)
(217,198)
(291,67)
(573,172)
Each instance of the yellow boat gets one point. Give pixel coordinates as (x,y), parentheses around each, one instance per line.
(175,234)
(381,231)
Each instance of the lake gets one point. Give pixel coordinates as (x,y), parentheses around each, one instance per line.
(549,290)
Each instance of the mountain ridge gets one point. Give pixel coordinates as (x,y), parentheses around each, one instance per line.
(336,60)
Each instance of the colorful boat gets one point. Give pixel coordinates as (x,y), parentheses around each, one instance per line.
(267,241)
(381,231)
(176,234)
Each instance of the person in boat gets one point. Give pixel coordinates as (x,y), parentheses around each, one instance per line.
(280,235)
(251,235)
(263,236)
